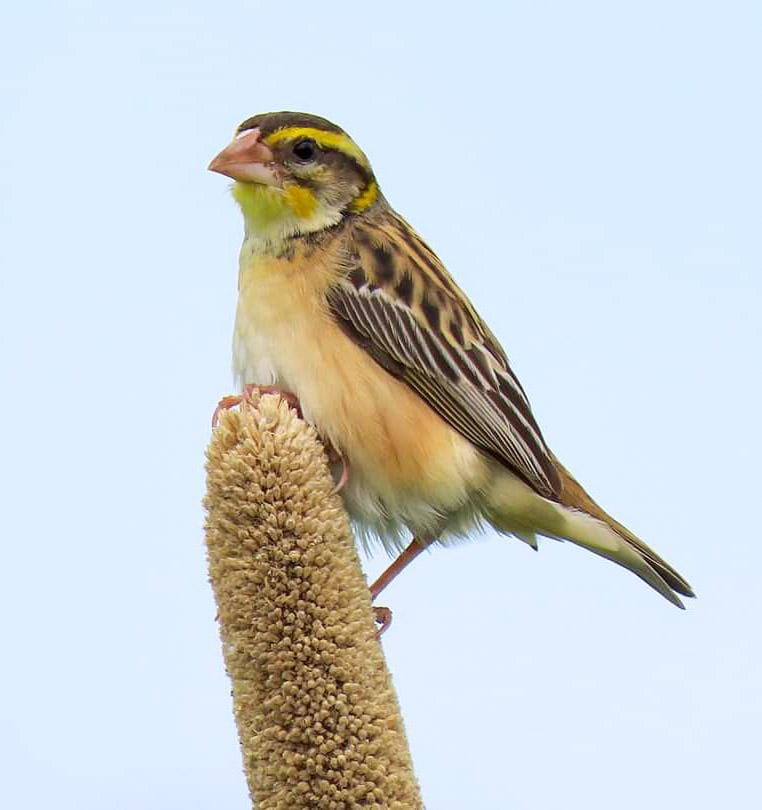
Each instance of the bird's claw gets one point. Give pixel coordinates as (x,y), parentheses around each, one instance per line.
(334,457)
(226,403)
(383,617)
(343,478)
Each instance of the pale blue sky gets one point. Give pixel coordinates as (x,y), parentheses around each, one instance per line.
(590,172)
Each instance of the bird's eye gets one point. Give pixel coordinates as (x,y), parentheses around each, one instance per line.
(305,149)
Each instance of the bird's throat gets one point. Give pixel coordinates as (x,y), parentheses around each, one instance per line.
(265,208)
(274,213)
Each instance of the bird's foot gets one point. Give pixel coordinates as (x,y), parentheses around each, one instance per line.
(383,617)
(334,457)
(289,397)
(344,477)
(226,403)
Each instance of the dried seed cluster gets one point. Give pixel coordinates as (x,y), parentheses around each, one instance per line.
(317,716)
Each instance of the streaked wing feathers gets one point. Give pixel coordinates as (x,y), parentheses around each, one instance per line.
(398,302)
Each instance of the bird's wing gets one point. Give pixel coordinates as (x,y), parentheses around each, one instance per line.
(398,302)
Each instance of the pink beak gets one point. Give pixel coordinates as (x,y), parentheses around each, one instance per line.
(247,159)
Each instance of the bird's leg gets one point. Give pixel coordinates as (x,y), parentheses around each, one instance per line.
(226,403)
(383,615)
(416,546)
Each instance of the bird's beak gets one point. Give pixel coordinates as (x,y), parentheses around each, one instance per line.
(247,159)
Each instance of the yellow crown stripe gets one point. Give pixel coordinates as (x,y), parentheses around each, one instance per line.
(329,140)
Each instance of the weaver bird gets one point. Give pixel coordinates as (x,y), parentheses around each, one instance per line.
(343,304)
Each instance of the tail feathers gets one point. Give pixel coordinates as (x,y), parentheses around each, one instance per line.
(530,538)
(662,567)
(589,526)
(601,539)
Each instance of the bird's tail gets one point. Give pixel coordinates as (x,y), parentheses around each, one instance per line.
(605,536)
(514,507)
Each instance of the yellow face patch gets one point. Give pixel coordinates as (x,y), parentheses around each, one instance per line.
(366,199)
(300,200)
(266,206)
(329,140)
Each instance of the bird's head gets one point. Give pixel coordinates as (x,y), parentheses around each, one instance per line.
(295,174)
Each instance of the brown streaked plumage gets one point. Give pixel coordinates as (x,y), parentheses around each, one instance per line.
(344,304)
(451,360)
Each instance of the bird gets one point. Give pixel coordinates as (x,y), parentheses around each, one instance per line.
(349,313)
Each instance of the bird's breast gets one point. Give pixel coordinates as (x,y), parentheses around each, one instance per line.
(406,464)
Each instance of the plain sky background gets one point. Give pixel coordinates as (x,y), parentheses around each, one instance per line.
(590,172)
